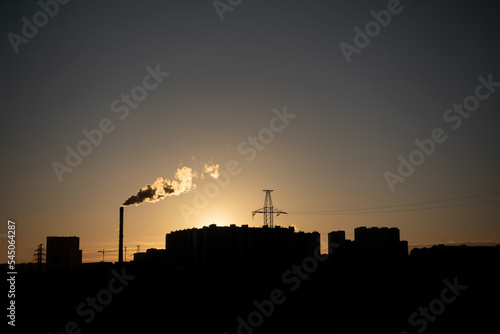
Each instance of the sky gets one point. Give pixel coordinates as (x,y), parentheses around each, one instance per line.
(316,100)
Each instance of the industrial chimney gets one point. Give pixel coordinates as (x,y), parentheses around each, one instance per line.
(120,240)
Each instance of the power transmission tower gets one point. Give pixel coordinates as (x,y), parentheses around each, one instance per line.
(39,254)
(268,210)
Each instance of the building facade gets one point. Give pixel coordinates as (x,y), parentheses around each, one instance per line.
(232,245)
(63,253)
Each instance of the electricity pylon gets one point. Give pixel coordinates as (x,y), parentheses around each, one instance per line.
(39,254)
(268,210)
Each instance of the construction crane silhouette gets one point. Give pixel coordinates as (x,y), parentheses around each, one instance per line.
(103,251)
(268,210)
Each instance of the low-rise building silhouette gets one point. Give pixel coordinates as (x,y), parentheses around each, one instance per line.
(151,256)
(368,242)
(462,251)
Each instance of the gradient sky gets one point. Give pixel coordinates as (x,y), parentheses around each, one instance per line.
(353,119)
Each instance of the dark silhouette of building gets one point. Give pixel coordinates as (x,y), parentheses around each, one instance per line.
(151,256)
(336,237)
(369,242)
(380,241)
(232,245)
(63,253)
(462,251)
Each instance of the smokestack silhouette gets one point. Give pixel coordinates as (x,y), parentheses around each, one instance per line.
(182,182)
(120,238)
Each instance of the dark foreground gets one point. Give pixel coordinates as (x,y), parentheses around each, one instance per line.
(349,295)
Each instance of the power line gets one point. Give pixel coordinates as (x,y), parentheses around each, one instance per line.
(401,210)
(377,209)
(254,203)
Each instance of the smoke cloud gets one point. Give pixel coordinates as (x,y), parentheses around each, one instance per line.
(183,182)
(213,170)
(161,188)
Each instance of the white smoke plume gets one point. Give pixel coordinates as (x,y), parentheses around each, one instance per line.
(213,170)
(161,188)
